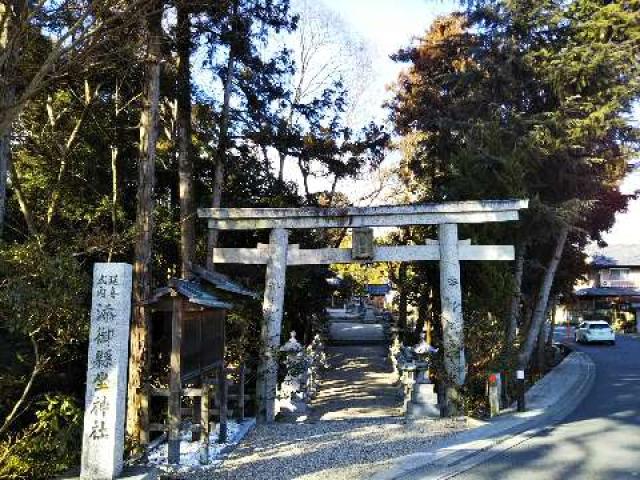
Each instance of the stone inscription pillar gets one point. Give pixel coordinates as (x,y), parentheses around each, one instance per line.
(104,416)
(272,311)
(452,321)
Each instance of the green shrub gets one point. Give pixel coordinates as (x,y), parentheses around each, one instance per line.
(48,447)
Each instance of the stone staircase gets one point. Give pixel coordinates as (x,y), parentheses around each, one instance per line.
(366,327)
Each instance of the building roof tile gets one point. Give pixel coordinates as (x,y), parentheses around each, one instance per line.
(616,256)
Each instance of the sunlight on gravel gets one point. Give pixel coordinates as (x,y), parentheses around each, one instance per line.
(330,450)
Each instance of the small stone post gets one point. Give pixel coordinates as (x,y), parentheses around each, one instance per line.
(272,310)
(494,394)
(520,388)
(452,320)
(104,416)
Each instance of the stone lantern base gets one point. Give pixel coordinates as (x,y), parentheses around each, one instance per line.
(424,401)
(424,398)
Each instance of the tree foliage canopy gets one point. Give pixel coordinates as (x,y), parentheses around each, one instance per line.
(531,100)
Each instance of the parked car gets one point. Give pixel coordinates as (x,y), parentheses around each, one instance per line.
(595,331)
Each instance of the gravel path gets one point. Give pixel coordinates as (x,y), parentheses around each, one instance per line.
(354,430)
(331,450)
(358,384)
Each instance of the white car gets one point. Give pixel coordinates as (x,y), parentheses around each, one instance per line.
(595,331)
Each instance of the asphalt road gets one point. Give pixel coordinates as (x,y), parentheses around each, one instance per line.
(599,440)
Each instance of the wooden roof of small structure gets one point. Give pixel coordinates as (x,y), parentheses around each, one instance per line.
(192,291)
(222,282)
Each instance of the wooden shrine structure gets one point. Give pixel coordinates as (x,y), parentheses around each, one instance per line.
(448,250)
(188,318)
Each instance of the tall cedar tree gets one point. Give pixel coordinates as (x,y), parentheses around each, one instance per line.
(142,281)
(501,110)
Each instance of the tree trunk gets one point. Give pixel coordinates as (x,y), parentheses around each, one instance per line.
(265,155)
(543,298)
(38,363)
(223,145)
(22,201)
(514,309)
(282,158)
(7,97)
(334,186)
(5,159)
(185,162)
(552,326)
(541,345)
(63,152)
(114,198)
(304,171)
(423,310)
(139,354)
(114,170)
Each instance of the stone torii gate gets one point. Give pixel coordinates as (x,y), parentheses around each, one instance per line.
(448,250)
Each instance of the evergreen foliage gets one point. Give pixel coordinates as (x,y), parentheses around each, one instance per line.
(527,100)
(72,114)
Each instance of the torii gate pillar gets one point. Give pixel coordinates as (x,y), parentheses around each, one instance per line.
(272,311)
(452,322)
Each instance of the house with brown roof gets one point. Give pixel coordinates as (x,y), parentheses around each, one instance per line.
(612,289)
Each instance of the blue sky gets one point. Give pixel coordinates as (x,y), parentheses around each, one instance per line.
(388,25)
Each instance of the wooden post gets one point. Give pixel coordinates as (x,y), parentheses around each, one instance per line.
(144,421)
(241,394)
(175,383)
(204,423)
(272,310)
(222,388)
(452,321)
(197,415)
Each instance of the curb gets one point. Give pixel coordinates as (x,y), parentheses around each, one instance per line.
(575,375)
(633,335)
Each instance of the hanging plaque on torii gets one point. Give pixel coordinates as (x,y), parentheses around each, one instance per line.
(448,250)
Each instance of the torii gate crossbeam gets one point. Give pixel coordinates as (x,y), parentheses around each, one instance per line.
(448,250)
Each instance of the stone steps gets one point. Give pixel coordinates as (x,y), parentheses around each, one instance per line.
(351,333)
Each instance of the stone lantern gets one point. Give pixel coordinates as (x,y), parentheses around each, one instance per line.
(292,346)
(423,351)
(292,395)
(424,398)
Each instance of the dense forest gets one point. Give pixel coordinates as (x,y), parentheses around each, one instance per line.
(119,118)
